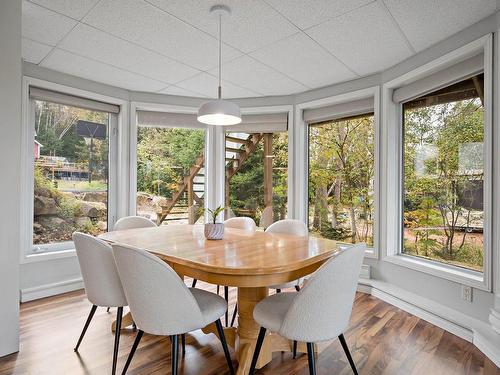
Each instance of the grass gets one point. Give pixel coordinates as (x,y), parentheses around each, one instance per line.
(81,185)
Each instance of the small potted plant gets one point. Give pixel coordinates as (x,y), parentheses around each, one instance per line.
(214,230)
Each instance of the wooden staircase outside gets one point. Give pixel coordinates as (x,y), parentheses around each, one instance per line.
(185,190)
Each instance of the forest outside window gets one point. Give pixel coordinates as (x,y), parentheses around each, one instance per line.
(257,176)
(170,168)
(342,178)
(443,175)
(70,173)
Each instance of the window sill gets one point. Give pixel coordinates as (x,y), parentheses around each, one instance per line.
(452,273)
(42,257)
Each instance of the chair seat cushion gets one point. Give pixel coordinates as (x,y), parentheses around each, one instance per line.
(211,305)
(270,312)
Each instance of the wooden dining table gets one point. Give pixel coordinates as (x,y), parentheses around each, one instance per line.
(249,261)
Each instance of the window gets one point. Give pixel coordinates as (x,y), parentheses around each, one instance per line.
(70,174)
(257,176)
(443,174)
(170,169)
(341,177)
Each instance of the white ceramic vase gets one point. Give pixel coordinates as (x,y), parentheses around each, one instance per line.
(214,231)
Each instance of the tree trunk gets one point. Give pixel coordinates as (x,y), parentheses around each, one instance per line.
(352,215)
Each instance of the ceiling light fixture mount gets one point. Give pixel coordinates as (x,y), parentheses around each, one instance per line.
(219,111)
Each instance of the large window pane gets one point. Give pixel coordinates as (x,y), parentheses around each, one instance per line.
(70,173)
(341,179)
(257,176)
(443,175)
(170,174)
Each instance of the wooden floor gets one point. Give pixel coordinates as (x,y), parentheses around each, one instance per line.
(383,340)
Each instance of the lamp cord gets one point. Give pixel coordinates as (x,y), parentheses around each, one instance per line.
(219,93)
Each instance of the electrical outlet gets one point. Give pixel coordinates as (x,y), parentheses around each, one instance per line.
(467,293)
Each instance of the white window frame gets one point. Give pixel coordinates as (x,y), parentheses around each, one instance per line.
(145,106)
(301,146)
(392,161)
(64,249)
(262,110)
(214,150)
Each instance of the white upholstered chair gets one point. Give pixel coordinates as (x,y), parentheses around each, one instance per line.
(247,224)
(288,226)
(244,223)
(162,304)
(267,217)
(101,280)
(131,222)
(320,311)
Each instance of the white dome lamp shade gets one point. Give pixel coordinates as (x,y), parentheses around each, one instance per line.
(219,112)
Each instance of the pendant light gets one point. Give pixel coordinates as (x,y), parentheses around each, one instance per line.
(219,111)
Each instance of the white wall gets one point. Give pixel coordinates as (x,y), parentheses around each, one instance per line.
(10,155)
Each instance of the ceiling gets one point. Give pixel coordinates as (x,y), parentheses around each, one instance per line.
(271,47)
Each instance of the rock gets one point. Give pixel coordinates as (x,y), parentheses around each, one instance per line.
(94,210)
(52,222)
(45,206)
(82,222)
(144,200)
(37,228)
(95,196)
(43,192)
(102,225)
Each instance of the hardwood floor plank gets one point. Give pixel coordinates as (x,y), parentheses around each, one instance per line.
(382,338)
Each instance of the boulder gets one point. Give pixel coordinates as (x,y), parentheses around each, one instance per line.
(95,196)
(45,206)
(102,226)
(144,200)
(82,222)
(43,192)
(94,210)
(52,222)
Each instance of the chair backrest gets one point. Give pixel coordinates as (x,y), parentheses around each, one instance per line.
(322,308)
(245,223)
(267,217)
(288,226)
(131,222)
(100,276)
(159,301)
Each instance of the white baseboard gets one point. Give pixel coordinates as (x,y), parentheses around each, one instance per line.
(479,333)
(48,290)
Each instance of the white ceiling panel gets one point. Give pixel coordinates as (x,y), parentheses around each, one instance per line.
(426,22)
(252,24)
(71,8)
(174,90)
(34,52)
(366,39)
(88,41)
(307,13)
(206,85)
(44,26)
(252,74)
(148,26)
(303,59)
(69,63)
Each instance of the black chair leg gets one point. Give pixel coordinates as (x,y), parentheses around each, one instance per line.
(294,349)
(222,337)
(297,288)
(348,353)
(183,340)
(218,289)
(234,315)
(258,346)
(278,290)
(226,297)
(119,315)
(89,319)
(107,310)
(175,353)
(194,283)
(132,351)
(311,359)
